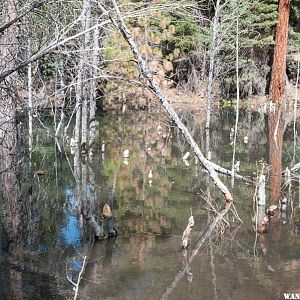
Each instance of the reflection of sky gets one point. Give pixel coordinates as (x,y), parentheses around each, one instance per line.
(70,230)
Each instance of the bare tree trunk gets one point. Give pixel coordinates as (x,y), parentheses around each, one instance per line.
(295,105)
(62,97)
(30,106)
(158,93)
(92,119)
(213,52)
(10,179)
(8,97)
(85,92)
(237,99)
(77,129)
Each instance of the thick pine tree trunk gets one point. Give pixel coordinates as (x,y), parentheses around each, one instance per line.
(277,91)
(279,61)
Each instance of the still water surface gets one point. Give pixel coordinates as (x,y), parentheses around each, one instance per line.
(150,214)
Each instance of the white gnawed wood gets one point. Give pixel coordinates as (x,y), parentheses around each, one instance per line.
(126,153)
(262,190)
(270,211)
(187,233)
(186,156)
(159,129)
(283,204)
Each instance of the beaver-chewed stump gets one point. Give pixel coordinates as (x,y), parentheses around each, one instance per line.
(108,221)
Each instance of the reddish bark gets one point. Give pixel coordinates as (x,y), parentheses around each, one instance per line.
(276,95)
(279,60)
(275,153)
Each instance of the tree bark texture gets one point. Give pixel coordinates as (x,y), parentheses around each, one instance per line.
(275,155)
(10,179)
(93,92)
(213,53)
(85,74)
(279,60)
(277,90)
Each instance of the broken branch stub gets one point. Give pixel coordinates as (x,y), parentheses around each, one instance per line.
(108,222)
(266,219)
(187,232)
(154,87)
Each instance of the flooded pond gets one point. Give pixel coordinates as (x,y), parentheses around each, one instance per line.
(44,236)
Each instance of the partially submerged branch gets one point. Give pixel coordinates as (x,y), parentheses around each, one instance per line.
(224,171)
(76,284)
(204,236)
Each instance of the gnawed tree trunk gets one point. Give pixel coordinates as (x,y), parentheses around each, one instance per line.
(154,87)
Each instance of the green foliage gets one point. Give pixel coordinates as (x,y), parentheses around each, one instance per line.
(47,67)
(258,24)
(187,34)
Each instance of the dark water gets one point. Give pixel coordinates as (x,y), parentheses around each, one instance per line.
(151,214)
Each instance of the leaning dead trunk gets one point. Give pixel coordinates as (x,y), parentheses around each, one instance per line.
(154,87)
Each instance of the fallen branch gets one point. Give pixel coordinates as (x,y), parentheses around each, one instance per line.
(76,285)
(224,171)
(154,87)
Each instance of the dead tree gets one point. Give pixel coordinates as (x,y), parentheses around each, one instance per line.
(212,57)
